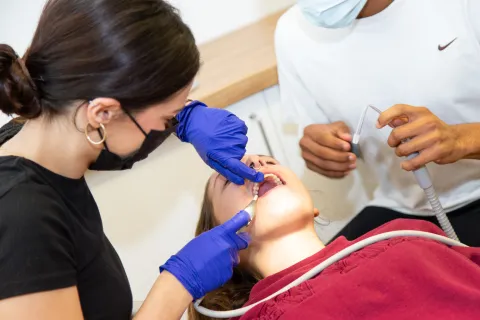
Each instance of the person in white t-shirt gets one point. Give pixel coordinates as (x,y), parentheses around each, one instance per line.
(419,62)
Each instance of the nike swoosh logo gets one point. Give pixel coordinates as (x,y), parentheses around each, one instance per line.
(441,48)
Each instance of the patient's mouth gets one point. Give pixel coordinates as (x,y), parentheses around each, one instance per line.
(270,182)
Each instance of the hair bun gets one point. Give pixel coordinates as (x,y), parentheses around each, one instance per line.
(18,94)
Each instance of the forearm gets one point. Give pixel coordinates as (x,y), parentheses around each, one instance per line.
(167,299)
(470,139)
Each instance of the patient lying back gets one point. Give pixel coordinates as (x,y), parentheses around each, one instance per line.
(400,278)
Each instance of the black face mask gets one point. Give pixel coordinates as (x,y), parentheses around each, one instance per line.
(109,161)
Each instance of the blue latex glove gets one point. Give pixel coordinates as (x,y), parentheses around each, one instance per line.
(207,261)
(220,138)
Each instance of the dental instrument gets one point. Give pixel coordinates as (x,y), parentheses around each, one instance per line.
(423,179)
(323,265)
(250,208)
(355,148)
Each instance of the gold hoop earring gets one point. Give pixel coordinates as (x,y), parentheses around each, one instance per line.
(103,134)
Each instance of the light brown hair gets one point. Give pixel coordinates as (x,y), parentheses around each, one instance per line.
(233,294)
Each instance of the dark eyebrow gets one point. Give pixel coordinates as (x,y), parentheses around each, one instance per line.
(225,184)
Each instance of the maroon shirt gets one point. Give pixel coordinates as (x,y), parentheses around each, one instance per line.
(400,278)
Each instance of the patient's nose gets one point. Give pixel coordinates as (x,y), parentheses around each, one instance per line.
(256,162)
(257,165)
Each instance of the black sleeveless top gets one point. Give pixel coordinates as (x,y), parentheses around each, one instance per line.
(51,237)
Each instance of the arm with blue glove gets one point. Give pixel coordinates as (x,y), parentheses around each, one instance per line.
(203,265)
(220,138)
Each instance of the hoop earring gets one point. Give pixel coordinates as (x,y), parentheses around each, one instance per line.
(103,134)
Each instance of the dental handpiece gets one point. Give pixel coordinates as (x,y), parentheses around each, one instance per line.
(250,209)
(421,175)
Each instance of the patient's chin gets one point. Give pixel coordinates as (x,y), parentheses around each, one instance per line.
(281,212)
(282,201)
(265,230)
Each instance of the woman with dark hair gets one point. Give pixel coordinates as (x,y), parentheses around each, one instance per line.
(399,278)
(101,86)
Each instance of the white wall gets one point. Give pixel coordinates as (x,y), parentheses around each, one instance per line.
(208,19)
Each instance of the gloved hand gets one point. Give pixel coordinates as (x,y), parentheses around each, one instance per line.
(219,138)
(207,261)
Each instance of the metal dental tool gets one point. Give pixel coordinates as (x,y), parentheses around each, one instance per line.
(250,208)
(354,147)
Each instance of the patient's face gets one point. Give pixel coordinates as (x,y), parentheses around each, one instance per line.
(280,209)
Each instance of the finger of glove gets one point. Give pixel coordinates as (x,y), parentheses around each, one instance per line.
(237,222)
(226,173)
(245,236)
(237,242)
(239,168)
(235,257)
(231,228)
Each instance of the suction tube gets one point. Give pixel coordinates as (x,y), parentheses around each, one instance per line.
(440,213)
(425,182)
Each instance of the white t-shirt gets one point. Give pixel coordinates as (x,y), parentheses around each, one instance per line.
(329,75)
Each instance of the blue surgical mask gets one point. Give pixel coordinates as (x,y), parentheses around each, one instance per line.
(331,13)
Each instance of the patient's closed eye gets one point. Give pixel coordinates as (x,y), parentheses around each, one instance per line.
(261,163)
(220,177)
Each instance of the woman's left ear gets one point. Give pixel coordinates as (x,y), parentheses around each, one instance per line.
(316,212)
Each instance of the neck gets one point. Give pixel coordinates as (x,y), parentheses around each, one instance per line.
(54,144)
(372,7)
(279,254)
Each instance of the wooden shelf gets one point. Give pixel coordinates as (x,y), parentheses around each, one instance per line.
(238,64)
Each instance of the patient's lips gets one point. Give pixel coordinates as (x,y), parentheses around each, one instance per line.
(271,181)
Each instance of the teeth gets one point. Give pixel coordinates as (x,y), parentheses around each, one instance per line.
(255,189)
(273,177)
